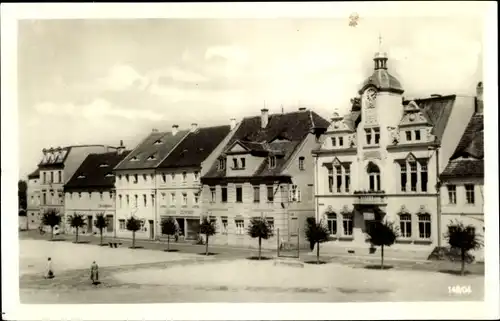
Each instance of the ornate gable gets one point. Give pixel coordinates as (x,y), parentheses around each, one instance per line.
(414,116)
(338,124)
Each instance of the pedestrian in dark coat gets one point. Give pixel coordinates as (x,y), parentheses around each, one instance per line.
(94,273)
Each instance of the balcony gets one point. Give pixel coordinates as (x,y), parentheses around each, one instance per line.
(370,198)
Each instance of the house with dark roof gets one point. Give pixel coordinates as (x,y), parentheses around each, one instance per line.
(178,176)
(33,200)
(57,166)
(91,191)
(382,160)
(264,170)
(462,180)
(136,183)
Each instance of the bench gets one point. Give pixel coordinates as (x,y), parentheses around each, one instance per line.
(114,244)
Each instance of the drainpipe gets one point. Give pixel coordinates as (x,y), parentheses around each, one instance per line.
(156,223)
(438,184)
(316,199)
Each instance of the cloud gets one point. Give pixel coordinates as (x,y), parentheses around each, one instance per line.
(232,53)
(122,77)
(175,74)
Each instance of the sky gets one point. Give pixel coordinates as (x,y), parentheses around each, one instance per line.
(101,81)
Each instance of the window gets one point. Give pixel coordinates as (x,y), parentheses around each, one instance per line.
(163,178)
(224,224)
(408,135)
(469,193)
(184,199)
(136,200)
(256,194)
(121,224)
(413,176)
(184,177)
(294,193)
(79,195)
(405,225)
(144,178)
(239,194)
(368,134)
(196,176)
(153,200)
(423,177)
(452,194)
(100,196)
(347,224)
(374,177)
(111,195)
(403,176)
(212,194)
(235,163)
(242,162)
(196,198)
(172,199)
(332,223)
(270,194)
(136,179)
(59,176)
(417,135)
(222,164)
(272,161)
(152,177)
(338,178)
(270,222)
(424,226)
(334,141)
(127,177)
(376,132)
(163,197)
(128,199)
(144,200)
(44,199)
(347,177)
(223,190)
(120,201)
(301,163)
(330,180)
(172,176)
(240,226)
(44,177)
(341,141)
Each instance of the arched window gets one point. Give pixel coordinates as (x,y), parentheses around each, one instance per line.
(405,225)
(374,177)
(332,223)
(347,223)
(424,225)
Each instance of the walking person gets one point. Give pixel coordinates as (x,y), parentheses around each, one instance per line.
(94,273)
(50,271)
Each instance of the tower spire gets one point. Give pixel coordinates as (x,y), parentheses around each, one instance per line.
(380,58)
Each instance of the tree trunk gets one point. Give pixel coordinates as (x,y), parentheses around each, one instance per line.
(206,246)
(168,243)
(76,239)
(260,244)
(27,222)
(382,256)
(51,232)
(462,271)
(133,239)
(100,230)
(317,253)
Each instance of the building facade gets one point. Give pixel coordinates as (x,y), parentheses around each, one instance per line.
(179,177)
(91,191)
(462,181)
(33,201)
(265,170)
(56,167)
(381,162)
(136,183)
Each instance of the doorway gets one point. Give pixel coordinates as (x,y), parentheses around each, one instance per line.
(182,230)
(89,224)
(151,229)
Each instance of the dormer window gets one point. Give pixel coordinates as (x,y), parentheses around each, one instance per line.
(110,175)
(158,142)
(334,141)
(103,165)
(242,162)
(81,176)
(272,161)
(341,141)
(417,134)
(152,157)
(134,159)
(408,135)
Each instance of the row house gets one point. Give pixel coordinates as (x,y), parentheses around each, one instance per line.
(382,161)
(33,200)
(179,176)
(55,169)
(91,191)
(462,181)
(136,183)
(264,170)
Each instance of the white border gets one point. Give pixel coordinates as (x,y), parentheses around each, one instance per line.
(10,302)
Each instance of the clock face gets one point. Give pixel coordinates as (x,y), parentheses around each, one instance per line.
(371,95)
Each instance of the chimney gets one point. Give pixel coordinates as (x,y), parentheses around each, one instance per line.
(435,95)
(194,127)
(302,108)
(264,117)
(121,148)
(175,129)
(154,130)
(479,97)
(233,123)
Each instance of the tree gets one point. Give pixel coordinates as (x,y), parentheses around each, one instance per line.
(316,233)
(207,228)
(382,234)
(100,223)
(463,238)
(22,188)
(133,225)
(169,228)
(76,221)
(51,218)
(259,228)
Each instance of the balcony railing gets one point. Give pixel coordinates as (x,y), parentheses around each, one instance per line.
(370,198)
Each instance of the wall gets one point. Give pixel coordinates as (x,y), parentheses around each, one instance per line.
(33,200)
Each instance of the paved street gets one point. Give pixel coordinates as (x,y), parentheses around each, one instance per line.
(154,276)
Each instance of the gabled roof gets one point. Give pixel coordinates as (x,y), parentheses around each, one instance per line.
(196,147)
(468,158)
(152,150)
(96,171)
(283,134)
(437,110)
(34,174)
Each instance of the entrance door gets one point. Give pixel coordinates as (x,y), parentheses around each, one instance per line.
(89,224)
(182,229)
(109,225)
(151,229)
